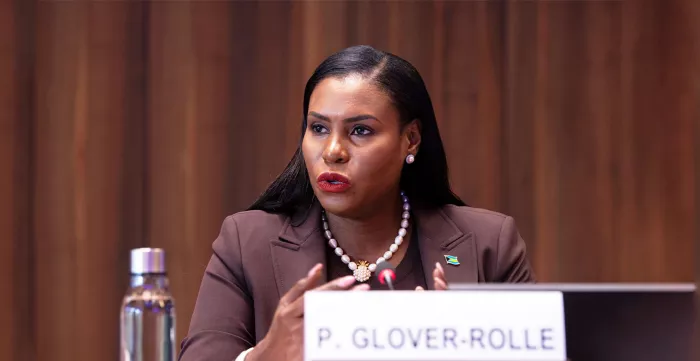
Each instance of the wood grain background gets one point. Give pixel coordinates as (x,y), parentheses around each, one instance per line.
(133,123)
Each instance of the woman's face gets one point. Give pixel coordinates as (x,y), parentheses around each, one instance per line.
(354,147)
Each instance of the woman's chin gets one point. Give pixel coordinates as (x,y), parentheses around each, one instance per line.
(338,204)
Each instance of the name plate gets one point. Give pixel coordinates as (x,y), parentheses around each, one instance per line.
(449,325)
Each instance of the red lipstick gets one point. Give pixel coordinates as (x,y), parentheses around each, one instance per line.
(333,182)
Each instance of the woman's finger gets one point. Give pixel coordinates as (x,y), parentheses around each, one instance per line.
(419,288)
(360,287)
(439,276)
(440,284)
(439,271)
(296,308)
(342,283)
(442,271)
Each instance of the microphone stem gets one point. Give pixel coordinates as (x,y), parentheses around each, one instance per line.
(387,279)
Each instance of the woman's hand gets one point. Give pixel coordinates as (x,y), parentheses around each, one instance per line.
(439,280)
(285,340)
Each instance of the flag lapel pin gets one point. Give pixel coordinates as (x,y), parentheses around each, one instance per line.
(453,260)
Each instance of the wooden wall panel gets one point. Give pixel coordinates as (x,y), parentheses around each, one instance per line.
(57,149)
(471,102)
(599,139)
(173,144)
(133,161)
(239,172)
(519,112)
(559,137)
(270,92)
(693,11)
(190,183)
(10,144)
(81,135)
(133,123)
(16,266)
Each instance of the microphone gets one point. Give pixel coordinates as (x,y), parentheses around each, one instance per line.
(385,274)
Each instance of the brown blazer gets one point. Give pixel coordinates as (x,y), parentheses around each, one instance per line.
(259,256)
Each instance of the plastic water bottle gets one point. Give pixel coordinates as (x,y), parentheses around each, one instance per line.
(148,310)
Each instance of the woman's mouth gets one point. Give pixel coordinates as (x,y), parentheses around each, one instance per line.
(333,182)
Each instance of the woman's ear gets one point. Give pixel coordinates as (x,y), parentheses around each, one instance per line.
(413,136)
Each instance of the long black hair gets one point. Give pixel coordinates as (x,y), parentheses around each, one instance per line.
(425,181)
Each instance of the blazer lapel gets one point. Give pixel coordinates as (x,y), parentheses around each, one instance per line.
(440,237)
(299,247)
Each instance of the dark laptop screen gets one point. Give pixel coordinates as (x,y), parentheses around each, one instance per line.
(621,322)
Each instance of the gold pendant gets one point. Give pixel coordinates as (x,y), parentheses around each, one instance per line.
(362,272)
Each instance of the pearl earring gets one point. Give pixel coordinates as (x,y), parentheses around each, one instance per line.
(410,158)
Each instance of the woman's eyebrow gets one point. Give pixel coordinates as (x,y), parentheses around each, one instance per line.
(352,119)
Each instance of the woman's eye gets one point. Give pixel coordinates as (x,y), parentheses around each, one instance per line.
(317,128)
(360,130)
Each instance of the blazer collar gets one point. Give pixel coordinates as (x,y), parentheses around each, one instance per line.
(300,226)
(438,237)
(301,245)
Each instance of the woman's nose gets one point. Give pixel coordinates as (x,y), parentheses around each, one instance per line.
(335,151)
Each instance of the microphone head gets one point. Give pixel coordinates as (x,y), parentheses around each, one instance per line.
(384,270)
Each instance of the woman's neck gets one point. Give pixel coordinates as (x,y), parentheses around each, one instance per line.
(368,238)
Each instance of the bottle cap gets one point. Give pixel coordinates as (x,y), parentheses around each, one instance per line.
(147,260)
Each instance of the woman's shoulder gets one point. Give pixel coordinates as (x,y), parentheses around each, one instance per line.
(477,220)
(255,224)
(497,240)
(473,213)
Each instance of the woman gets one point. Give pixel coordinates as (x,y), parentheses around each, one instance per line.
(368,184)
